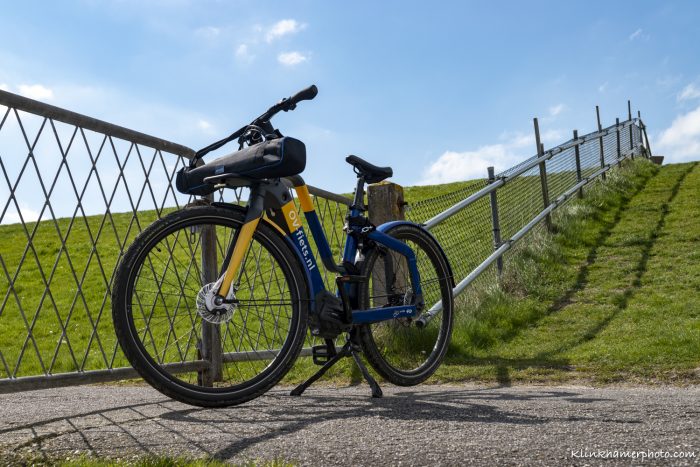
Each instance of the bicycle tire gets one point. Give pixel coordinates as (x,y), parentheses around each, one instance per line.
(401,352)
(142,339)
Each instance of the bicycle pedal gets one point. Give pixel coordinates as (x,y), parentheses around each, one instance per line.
(322,353)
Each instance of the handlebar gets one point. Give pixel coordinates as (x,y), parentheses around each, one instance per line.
(304,95)
(286,104)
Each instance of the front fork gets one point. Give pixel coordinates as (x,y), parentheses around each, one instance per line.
(242,240)
(272,195)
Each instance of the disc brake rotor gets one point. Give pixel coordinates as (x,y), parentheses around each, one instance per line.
(208,310)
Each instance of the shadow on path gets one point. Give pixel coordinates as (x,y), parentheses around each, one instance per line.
(272,416)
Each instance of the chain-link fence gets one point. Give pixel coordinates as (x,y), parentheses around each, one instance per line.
(75,192)
(478,223)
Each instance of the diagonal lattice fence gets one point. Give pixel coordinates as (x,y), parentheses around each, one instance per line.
(75,192)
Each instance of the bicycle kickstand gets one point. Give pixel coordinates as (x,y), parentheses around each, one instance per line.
(350,349)
(376,390)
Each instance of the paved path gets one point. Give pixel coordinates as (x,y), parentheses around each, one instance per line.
(426,425)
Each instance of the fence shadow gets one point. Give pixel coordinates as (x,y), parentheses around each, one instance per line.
(165,427)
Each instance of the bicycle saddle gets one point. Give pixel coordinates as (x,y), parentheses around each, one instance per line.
(370,172)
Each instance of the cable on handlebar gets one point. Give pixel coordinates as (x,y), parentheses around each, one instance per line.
(263,121)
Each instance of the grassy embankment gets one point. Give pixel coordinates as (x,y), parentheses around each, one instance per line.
(611,296)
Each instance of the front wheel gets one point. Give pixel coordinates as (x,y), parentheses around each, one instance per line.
(399,350)
(168,336)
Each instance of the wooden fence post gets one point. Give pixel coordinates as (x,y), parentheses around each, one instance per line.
(644,133)
(577,151)
(211,333)
(386,203)
(641,135)
(617,140)
(543,174)
(602,149)
(495,221)
(629,118)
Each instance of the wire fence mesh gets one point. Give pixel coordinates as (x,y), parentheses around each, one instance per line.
(468,237)
(77,191)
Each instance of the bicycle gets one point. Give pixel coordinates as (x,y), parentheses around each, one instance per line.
(211,303)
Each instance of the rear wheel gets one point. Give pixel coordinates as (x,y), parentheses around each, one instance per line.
(399,350)
(159,315)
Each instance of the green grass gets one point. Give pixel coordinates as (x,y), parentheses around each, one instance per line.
(609,296)
(45,289)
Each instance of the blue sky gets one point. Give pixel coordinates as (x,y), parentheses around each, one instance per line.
(437,90)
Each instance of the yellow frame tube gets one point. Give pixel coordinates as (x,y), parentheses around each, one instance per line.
(307,205)
(245,237)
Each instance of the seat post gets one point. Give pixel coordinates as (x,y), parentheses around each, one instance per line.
(359,201)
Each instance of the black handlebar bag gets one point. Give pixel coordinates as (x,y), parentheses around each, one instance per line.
(281,157)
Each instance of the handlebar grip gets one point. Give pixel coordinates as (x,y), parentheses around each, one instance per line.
(304,95)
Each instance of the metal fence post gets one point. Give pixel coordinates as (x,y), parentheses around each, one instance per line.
(577,152)
(629,118)
(211,333)
(602,149)
(617,140)
(543,174)
(496,222)
(385,203)
(639,130)
(643,129)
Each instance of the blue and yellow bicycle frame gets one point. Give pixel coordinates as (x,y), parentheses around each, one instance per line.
(287,220)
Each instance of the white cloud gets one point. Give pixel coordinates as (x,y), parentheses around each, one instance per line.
(688,92)
(205,126)
(291,58)
(242,50)
(12,216)
(636,34)
(4,87)
(283,28)
(453,166)
(208,32)
(556,110)
(681,141)
(552,136)
(243,53)
(603,87)
(36,91)
(517,139)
